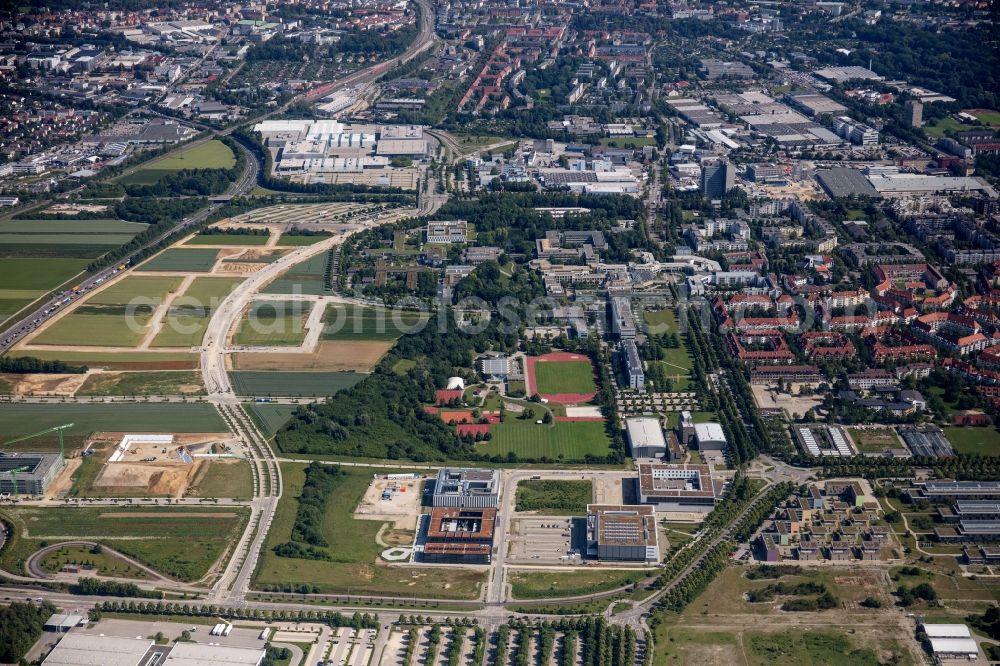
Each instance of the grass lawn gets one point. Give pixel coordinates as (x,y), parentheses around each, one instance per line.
(555,498)
(566,440)
(806,647)
(228,239)
(628,141)
(226,478)
(991,118)
(944,126)
(182,542)
(564,377)
(96,330)
(269,417)
(273,323)
(355,568)
(547,584)
(182,259)
(874,441)
(181,382)
(104,563)
(263,383)
(208,155)
(344,322)
(24,418)
(662,321)
(984,441)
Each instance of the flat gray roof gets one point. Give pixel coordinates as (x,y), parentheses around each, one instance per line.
(844,182)
(91,650)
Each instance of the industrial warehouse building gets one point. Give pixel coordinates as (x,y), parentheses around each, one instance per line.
(33,472)
(467,488)
(459,536)
(950,641)
(645,437)
(678,487)
(709,436)
(622,533)
(79,649)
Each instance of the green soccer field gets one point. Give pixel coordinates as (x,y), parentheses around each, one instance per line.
(565,440)
(564,377)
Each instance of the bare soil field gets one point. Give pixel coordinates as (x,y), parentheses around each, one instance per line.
(402,510)
(334,356)
(767,398)
(42,383)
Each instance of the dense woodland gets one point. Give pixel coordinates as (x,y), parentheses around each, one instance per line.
(20,626)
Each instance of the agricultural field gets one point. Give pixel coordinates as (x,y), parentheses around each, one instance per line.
(984,441)
(329,356)
(565,377)
(22,418)
(184,382)
(578,582)
(273,323)
(269,417)
(554,498)
(875,440)
(208,155)
(137,360)
(307,277)
(562,440)
(182,260)
(185,322)
(293,240)
(238,240)
(224,478)
(355,323)
(292,383)
(181,542)
(117,316)
(82,239)
(354,568)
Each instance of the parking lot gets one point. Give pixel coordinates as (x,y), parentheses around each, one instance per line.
(540,540)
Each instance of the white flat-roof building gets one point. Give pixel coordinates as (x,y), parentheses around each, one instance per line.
(94,650)
(954,648)
(195,654)
(709,436)
(645,437)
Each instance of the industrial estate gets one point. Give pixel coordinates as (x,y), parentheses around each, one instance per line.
(595,333)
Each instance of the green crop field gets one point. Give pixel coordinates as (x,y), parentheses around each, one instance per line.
(73,227)
(974,441)
(96,330)
(149,288)
(117,360)
(208,155)
(23,419)
(169,382)
(566,440)
(273,323)
(344,322)
(549,585)
(183,260)
(555,498)
(37,274)
(304,278)
(226,478)
(209,291)
(263,383)
(9,242)
(182,542)
(185,323)
(354,568)
(269,417)
(564,377)
(287,240)
(227,239)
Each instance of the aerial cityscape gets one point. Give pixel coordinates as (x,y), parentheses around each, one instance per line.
(508,332)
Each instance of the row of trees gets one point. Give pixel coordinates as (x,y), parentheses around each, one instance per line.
(334,619)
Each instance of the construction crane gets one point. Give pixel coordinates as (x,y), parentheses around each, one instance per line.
(13,481)
(59,429)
